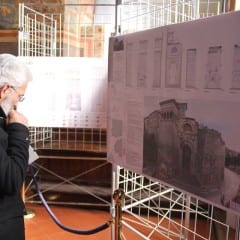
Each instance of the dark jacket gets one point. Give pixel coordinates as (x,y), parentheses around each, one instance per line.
(13,164)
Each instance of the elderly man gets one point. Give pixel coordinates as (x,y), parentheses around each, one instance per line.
(14,144)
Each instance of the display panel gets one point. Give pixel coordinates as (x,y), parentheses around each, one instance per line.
(173,114)
(66,92)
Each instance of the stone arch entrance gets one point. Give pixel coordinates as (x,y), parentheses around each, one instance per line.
(186,159)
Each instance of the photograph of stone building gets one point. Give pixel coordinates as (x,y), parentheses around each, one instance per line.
(181,151)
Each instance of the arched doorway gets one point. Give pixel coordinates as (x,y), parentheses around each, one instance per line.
(186,159)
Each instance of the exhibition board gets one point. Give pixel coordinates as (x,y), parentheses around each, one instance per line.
(173,100)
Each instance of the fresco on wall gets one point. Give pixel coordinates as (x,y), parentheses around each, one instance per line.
(8,15)
(9,10)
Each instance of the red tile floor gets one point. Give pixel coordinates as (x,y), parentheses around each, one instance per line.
(42,227)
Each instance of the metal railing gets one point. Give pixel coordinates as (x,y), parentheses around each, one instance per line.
(37,33)
(78,139)
(145,14)
(65,33)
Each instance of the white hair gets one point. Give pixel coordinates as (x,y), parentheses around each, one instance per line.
(13,71)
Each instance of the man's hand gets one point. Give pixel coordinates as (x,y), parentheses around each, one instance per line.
(17,117)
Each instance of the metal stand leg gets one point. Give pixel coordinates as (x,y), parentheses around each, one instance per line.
(29,212)
(118,197)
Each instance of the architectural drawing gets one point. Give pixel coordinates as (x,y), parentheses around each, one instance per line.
(142,69)
(142,64)
(173,66)
(157,63)
(236,68)
(191,68)
(214,68)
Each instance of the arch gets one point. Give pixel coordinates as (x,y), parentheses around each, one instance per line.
(187,127)
(186,158)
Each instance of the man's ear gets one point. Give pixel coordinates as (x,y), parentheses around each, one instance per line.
(4,91)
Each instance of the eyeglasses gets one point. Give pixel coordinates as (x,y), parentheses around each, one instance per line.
(20,96)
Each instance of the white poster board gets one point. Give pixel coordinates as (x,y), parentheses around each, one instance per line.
(66,92)
(173,109)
